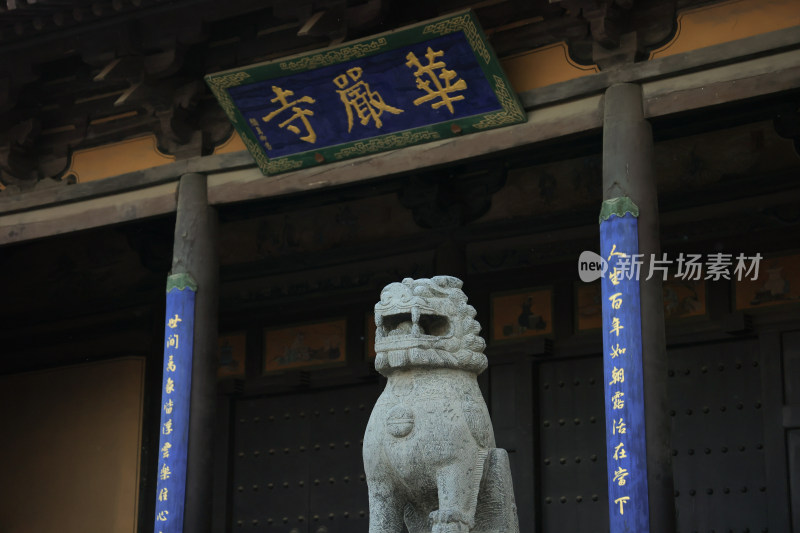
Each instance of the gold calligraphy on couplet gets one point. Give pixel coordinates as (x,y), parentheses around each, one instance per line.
(616,326)
(621,501)
(619,452)
(165,472)
(173,341)
(616,351)
(619,476)
(617,375)
(173,322)
(617,398)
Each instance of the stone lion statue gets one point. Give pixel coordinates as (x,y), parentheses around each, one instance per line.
(429,449)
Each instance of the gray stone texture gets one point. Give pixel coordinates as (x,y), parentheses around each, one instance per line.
(429,449)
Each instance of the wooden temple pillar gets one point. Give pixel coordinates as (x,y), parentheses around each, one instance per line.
(628,173)
(195,254)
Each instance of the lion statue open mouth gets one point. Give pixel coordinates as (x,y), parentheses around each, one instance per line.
(429,448)
(427,323)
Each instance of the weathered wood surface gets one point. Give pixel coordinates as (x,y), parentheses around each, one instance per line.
(113,209)
(555,121)
(666,67)
(628,170)
(740,70)
(195,253)
(720,85)
(130,181)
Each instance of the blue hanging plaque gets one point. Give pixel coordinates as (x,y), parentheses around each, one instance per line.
(626,455)
(175,398)
(417,84)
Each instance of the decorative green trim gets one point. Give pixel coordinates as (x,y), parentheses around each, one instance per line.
(181,282)
(467,24)
(618,206)
(386,142)
(512,112)
(219,84)
(334,57)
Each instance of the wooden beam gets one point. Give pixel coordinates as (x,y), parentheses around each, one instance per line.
(739,70)
(555,121)
(724,84)
(666,67)
(130,181)
(48,221)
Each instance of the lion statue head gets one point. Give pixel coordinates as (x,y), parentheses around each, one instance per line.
(427,323)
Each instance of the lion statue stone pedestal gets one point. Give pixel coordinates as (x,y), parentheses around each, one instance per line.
(429,450)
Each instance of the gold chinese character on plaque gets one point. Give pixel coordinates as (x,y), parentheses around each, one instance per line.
(358,98)
(439,85)
(298,112)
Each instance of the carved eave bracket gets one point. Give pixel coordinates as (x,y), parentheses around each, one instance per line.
(620,31)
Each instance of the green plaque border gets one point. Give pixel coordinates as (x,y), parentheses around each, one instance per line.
(464,21)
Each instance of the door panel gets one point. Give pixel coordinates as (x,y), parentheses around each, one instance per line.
(573,495)
(338,485)
(297,465)
(512,419)
(717,437)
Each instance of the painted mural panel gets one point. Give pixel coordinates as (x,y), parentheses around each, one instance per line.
(316,344)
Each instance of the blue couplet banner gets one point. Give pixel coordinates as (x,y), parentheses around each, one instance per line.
(175,397)
(622,366)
